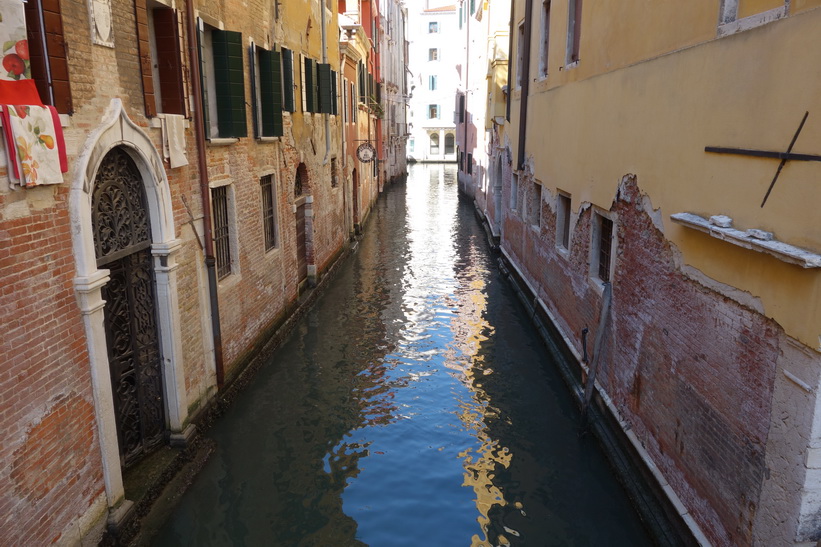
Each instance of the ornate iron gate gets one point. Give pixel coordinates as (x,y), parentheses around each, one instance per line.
(122,240)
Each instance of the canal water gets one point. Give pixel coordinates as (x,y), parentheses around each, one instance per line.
(414,405)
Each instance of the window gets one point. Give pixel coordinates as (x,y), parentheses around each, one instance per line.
(433,27)
(222,232)
(363,86)
(412,144)
(269,211)
(520,56)
(543,54)
(310,85)
(563,221)
(433,111)
(514,192)
(266,81)
(47,53)
(288,100)
(434,143)
(160,58)
(433,54)
(602,248)
(574,27)
(334,174)
(223,82)
(534,206)
(462,108)
(432,83)
(449,143)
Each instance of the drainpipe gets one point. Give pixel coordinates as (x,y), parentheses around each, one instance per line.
(325,61)
(520,162)
(464,113)
(199,131)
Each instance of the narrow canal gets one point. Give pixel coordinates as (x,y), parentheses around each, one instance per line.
(414,405)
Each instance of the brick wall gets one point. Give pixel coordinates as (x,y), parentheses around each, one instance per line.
(52,469)
(691,370)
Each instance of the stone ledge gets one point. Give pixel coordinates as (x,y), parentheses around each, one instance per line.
(780,250)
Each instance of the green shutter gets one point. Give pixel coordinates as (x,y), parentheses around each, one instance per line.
(314,89)
(252,73)
(325,87)
(310,85)
(230,83)
(334,96)
(288,80)
(203,87)
(276,103)
(270,88)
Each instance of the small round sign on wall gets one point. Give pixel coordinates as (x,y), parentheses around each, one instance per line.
(366,152)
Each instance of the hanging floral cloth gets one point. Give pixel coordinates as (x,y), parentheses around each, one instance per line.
(34,144)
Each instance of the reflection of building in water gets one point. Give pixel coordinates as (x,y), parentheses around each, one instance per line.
(470,330)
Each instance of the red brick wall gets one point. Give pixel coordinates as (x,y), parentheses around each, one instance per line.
(50,452)
(691,370)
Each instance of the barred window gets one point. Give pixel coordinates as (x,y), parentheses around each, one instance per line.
(605,245)
(222,242)
(269,211)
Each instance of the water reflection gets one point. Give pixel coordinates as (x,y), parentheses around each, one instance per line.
(413,406)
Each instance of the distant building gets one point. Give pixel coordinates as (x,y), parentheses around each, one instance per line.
(434,65)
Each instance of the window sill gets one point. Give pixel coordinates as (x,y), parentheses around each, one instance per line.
(751,22)
(778,249)
(570,66)
(223,141)
(268,139)
(156,121)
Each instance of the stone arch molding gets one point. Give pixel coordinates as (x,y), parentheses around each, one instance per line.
(116,130)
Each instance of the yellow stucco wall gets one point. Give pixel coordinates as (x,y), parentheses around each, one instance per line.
(654,118)
(797,6)
(752,7)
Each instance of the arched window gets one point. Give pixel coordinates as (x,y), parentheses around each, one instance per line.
(301,181)
(449,143)
(434,143)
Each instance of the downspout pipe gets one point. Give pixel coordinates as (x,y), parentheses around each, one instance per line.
(202,165)
(327,116)
(520,162)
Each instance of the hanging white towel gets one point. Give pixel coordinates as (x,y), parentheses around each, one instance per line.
(173,141)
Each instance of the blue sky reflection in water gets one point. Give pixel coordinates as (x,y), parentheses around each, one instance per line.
(414,405)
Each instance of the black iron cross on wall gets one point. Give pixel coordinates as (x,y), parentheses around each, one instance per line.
(783,156)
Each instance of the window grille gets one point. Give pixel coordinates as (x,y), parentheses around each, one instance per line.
(269,211)
(222,243)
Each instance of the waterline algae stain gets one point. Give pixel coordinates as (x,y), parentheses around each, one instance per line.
(413,405)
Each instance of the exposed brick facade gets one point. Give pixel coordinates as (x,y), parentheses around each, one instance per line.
(57,438)
(690,369)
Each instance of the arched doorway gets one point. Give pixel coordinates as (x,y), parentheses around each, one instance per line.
(122,243)
(116,132)
(434,144)
(450,143)
(356,224)
(303,224)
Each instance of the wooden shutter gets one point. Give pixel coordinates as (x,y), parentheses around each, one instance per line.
(230,83)
(309,85)
(325,87)
(334,95)
(270,90)
(47,53)
(169,60)
(577,31)
(288,80)
(203,84)
(302,83)
(144,49)
(255,106)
